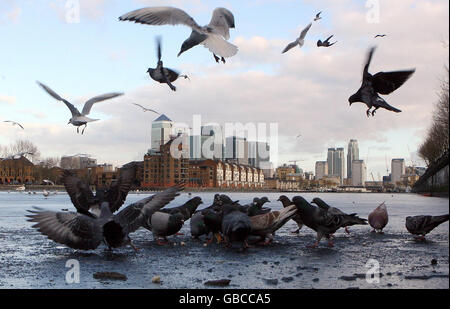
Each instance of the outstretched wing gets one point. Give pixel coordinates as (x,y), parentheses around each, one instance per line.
(369,59)
(290,46)
(222,20)
(388,82)
(88,105)
(80,193)
(118,191)
(74,230)
(131,217)
(72,108)
(305,31)
(161,16)
(219,46)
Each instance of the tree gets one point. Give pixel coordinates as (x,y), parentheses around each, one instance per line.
(25,146)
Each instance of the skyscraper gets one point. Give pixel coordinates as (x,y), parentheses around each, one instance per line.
(161,130)
(236,149)
(321,169)
(330,161)
(352,155)
(359,173)
(397,170)
(339,164)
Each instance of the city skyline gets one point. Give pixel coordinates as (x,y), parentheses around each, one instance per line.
(258,82)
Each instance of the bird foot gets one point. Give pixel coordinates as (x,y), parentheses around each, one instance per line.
(347,230)
(219,238)
(217,59)
(314,246)
(179,234)
(373,113)
(162,243)
(331,244)
(368,113)
(223,60)
(173,88)
(420,238)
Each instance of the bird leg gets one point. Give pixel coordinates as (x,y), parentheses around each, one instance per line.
(374,111)
(162,243)
(216,58)
(420,238)
(134,247)
(315,245)
(78,130)
(347,230)
(368,112)
(223,60)
(219,238)
(85,126)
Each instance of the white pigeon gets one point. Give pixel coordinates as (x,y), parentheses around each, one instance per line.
(213,36)
(300,40)
(80,119)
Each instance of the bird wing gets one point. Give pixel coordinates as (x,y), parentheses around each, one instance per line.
(290,46)
(161,16)
(161,199)
(71,229)
(318,14)
(80,193)
(217,45)
(369,59)
(88,105)
(117,193)
(140,106)
(222,20)
(72,108)
(388,82)
(20,125)
(131,217)
(329,38)
(305,31)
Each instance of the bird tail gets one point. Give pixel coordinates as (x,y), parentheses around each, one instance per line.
(440,219)
(353,219)
(390,108)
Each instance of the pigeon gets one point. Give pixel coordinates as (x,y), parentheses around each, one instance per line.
(380,83)
(379,218)
(380,36)
(186,210)
(161,74)
(297,218)
(236,226)
(15,124)
(318,16)
(82,232)
(213,36)
(324,223)
(348,220)
(267,224)
(213,224)
(325,43)
(422,225)
(163,224)
(300,41)
(80,119)
(147,109)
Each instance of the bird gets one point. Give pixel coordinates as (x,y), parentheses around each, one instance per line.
(266,225)
(422,225)
(380,36)
(160,73)
(80,119)
(146,109)
(298,136)
(324,223)
(15,124)
(300,41)
(163,224)
(297,218)
(380,83)
(213,36)
(256,208)
(82,232)
(348,220)
(379,218)
(325,43)
(213,223)
(187,210)
(236,226)
(318,16)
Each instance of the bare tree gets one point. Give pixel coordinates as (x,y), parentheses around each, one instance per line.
(25,146)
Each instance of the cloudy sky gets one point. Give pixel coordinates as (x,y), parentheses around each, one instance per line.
(305,90)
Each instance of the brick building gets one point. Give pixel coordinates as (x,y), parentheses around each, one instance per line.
(16,171)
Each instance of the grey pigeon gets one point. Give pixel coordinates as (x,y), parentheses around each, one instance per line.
(317,219)
(165,224)
(348,220)
(160,73)
(186,210)
(380,83)
(300,41)
(213,36)
(325,43)
(422,225)
(379,218)
(236,226)
(80,119)
(297,218)
(79,231)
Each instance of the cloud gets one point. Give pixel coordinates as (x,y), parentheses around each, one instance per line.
(7,99)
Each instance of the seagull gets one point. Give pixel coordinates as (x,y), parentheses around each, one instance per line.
(160,73)
(80,119)
(380,36)
(146,109)
(380,83)
(213,36)
(318,16)
(15,124)
(300,40)
(325,43)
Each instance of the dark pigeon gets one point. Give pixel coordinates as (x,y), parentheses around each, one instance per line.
(422,225)
(187,210)
(325,43)
(236,226)
(380,83)
(297,218)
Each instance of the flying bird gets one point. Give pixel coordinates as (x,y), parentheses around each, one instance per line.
(422,225)
(318,16)
(325,43)
(213,36)
(379,218)
(147,109)
(380,83)
(15,124)
(160,73)
(300,41)
(80,119)
(380,36)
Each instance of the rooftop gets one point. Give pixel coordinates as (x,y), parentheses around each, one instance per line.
(162,118)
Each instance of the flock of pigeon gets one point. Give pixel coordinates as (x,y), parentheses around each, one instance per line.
(98,218)
(215,36)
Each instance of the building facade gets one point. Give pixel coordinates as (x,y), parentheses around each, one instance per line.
(321,169)
(16,171)
(359,173)
(161,132)
(352,155)
(397,170)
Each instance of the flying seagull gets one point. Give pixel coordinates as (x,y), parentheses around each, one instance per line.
(146,109)
(213,36)
(298,136)
(318,16)
(380,36)
(15,124)
(300,41)
(380,83)
(325,43)
(80,119)
(161,74)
